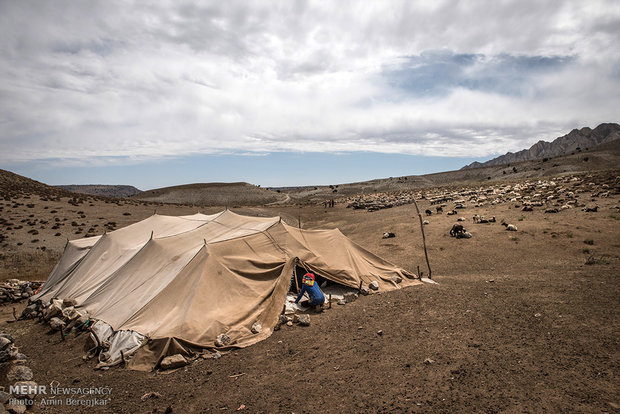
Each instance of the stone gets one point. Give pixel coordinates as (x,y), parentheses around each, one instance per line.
(222,340)
(19,373)
(8,353)
(29,310)
(4,342)
(374,285)
(289,323)
(591,208)
(68,302)
(7,336)
(69,313)
(364,291)
(304,319)
(57,323)
(425,222)
(284,319)
(150,394)
(16,407)
(173,361)
(396,279)
(26,389)
(217,355)
(256,328)
(350,297)
(380,332)
(428,361)
(465,235)
(4,397)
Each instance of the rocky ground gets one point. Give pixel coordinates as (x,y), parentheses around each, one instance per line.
(520,321)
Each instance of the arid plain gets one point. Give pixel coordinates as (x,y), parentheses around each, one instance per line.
(520,321)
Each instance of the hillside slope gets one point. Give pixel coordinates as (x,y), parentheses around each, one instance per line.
(603,157)
(13,185)
(114,191)
(212,194)
(575,141)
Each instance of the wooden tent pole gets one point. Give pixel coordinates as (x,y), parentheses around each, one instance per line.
(430,274)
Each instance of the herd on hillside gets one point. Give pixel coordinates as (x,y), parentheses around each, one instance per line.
(549,195)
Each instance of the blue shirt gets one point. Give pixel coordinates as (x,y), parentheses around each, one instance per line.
(314,291)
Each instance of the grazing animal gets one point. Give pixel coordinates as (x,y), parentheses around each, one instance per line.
(511,227)
(429,213)
(477,218)
(452,213)
(439,209)
(388,235)
(456,230)
(527,208)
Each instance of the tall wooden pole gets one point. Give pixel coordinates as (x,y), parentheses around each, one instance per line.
(430,274)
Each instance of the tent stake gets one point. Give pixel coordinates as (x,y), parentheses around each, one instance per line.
(299,221)
(423,238)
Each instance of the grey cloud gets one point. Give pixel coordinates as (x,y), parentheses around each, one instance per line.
(171,78)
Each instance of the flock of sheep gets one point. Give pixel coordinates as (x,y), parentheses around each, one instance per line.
(550,195)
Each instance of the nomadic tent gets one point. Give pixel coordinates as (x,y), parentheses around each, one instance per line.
(169,285)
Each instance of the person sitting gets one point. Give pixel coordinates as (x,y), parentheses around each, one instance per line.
(309,285)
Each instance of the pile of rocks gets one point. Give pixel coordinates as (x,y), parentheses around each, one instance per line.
(61,315)
(14,290)
(18,375)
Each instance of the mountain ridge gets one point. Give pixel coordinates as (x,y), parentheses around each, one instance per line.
(576,140)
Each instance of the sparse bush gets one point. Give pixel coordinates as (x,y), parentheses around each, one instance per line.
(591,260)
(589,241)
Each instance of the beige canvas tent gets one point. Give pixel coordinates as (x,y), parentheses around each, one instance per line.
(169,285)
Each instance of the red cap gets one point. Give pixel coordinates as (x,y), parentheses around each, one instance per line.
(309,275)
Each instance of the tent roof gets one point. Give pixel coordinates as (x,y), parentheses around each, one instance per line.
(181,281)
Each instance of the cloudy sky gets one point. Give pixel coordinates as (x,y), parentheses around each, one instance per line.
(294,92)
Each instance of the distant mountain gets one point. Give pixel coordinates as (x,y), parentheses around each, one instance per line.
(577,140)
(213,194)
(115,191)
